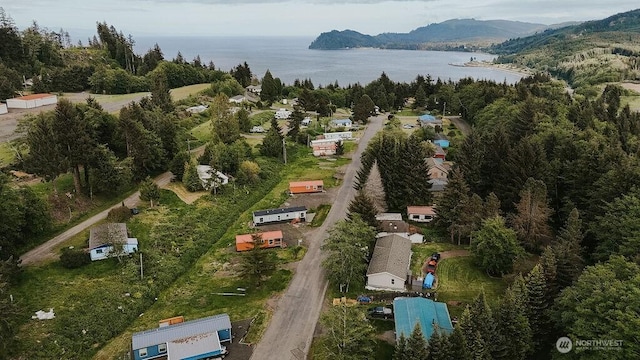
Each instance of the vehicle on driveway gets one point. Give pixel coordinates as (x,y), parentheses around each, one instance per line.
(381,312)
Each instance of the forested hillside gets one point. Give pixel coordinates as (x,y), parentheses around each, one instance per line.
(447,33)
(590,53)
(105,64)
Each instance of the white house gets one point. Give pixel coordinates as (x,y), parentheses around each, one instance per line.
(3,109)
(196,109)
(415,238)
(346,123)
(104,238)
(422,214)
(343,135)
(282,114)
(238,99)
(254,89)
(205,173)
(296,213)
(306,121)
(389,266)
(32,101)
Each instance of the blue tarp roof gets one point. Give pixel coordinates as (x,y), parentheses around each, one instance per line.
(428,281)
(428,313)
(427,117)
(442,142)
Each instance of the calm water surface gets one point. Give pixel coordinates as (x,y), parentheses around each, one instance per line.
(289,58)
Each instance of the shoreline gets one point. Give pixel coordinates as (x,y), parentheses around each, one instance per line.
(504,67)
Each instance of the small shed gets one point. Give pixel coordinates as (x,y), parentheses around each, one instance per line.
(422,214)
(105,238)
(270,216)
(428,281)
(196,339)
(305,187)
(3,109)
(206,173)
(429,314)
(270,239)
(389,265)
(32,101)
(306,121)
(283,114)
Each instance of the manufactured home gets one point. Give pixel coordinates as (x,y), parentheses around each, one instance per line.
(269,239)
(421,213)
(105,239)
(304,187)
(206,175)
(196,339)
(283,114)
(270,216)
(324,147)
(343,135)
(32,101)
(3,109)
(346,123)
(389,266)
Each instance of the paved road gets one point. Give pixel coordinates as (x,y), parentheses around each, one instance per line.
(45,251)
(291,329)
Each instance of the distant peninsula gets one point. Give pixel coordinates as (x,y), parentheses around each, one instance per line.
(455,34)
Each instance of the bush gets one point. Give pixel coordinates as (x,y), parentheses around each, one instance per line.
(74,258)
(119,214)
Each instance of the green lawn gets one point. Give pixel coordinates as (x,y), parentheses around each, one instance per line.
(184,92)
(459,279)
(422,251)
(6,154)
(633,101)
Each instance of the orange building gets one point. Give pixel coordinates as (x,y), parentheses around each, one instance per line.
(270,239)
(303,187)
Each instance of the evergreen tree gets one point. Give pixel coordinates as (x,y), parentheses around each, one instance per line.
(190,179)
(513,337)
(568,251)
(178,163)
(550,270)
(449,207)
(340,148)
(482,321)
(363,109)
(531,222)
(400,352)
(416,344)
(160,91)
(491,206)
(420,98)
(224,125)
(363,205)
(436,346)
(270,88)
(149,191)
(538,303)
(272,142)
(457,347)
(349,335)
(242,116)
(294,123)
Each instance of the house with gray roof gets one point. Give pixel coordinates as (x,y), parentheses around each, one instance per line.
(389,265)
(196,339)
(110,239)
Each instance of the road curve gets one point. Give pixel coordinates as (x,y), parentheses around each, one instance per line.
(45,251)
(290,331)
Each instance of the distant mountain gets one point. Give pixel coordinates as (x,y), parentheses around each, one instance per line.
(450,31)
(585,54)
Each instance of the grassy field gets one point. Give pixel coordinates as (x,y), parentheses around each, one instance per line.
(184,92)
(6,154)
(422,251)
(460,280)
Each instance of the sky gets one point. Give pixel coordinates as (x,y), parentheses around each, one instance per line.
(292,17)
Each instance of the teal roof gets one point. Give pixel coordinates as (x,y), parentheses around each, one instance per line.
(427,117)
(411,311)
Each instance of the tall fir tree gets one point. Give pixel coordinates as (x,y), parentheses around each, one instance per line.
(272,142)
(531,222)
(400,352)
(513,336)
(449,206)
(538,304)
(417,347)
(363,205)
(568,251)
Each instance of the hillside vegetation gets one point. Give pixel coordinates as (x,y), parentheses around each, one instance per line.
(454,33)
(590,53)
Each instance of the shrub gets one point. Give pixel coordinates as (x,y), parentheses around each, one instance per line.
(119,214)
(74,258)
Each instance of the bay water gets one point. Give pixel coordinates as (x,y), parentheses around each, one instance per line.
(289,58)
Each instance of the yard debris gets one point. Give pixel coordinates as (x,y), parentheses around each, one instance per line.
(41,315)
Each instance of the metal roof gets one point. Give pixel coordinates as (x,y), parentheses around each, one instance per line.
(179,331)
(279,211)
(34,96)
(421,210)
(392,255)
(429,314)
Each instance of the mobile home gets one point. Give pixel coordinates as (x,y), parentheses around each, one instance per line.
(269,239)
(270,216)
(303,187)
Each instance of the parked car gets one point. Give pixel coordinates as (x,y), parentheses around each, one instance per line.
(381,312)
(435,256)
(135,211)
(407,126)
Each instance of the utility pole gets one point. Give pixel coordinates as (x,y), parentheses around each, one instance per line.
(141,270)
(284,150)
(444,110)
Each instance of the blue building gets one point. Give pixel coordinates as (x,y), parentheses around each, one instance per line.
(191,340)
(444,143)
(429,120)
(429,314)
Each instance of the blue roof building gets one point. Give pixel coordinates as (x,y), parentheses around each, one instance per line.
(429,120)
(429,314)
(443,143)
(192,340)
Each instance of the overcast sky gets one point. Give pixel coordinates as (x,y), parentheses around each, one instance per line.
(294,17)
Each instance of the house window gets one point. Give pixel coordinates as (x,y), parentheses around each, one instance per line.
(415,216)
(162,348)
(142,352)
(98,251)
(270,241)
(278,217)
(393,281)
(308,187)
(261,220)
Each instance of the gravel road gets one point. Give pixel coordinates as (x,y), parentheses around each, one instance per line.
(46,251)
(460,124)
(289,334)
